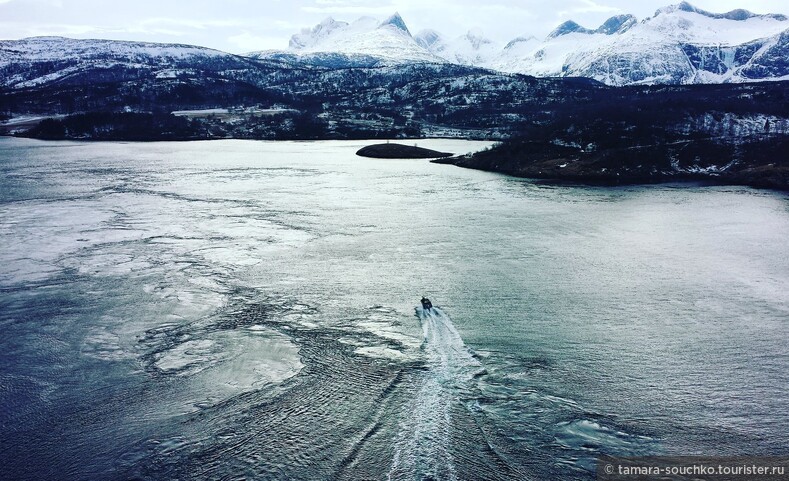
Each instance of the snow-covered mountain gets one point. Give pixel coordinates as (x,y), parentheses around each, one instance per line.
(365,42)
(40,60)
(679,44)
(469,49)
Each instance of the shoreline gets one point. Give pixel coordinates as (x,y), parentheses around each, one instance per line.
(470,161)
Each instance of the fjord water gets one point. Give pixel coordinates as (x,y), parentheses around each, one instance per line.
(248,310)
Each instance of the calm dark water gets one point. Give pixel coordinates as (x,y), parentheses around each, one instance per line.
(246,310)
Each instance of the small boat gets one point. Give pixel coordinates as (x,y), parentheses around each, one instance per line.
(426,304)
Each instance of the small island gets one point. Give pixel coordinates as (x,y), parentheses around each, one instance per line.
(400,151)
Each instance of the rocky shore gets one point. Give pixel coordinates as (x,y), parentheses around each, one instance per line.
(762,164)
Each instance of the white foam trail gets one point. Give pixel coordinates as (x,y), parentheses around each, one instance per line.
(423,449)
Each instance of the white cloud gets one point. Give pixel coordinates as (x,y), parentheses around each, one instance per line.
(196,24)
(349,9)
(247,42)
(588,6)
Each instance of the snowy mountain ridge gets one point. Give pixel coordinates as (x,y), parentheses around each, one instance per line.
(390,42)
(736,14)
(679,44)
(39,60)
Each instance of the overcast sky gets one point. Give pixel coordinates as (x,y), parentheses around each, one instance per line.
(239,26)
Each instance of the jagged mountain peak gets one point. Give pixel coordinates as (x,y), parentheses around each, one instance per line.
(617,24)
(614,25)
(365,41)
(568,27)
(395,21)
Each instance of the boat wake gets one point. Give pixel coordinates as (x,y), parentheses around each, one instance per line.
(424,446)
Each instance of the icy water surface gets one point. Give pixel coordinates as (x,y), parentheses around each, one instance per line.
(248,310)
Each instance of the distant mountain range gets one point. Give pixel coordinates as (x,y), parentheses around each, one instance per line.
(680,44)
(372,79)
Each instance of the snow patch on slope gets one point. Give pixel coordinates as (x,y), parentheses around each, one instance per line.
(470,49)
